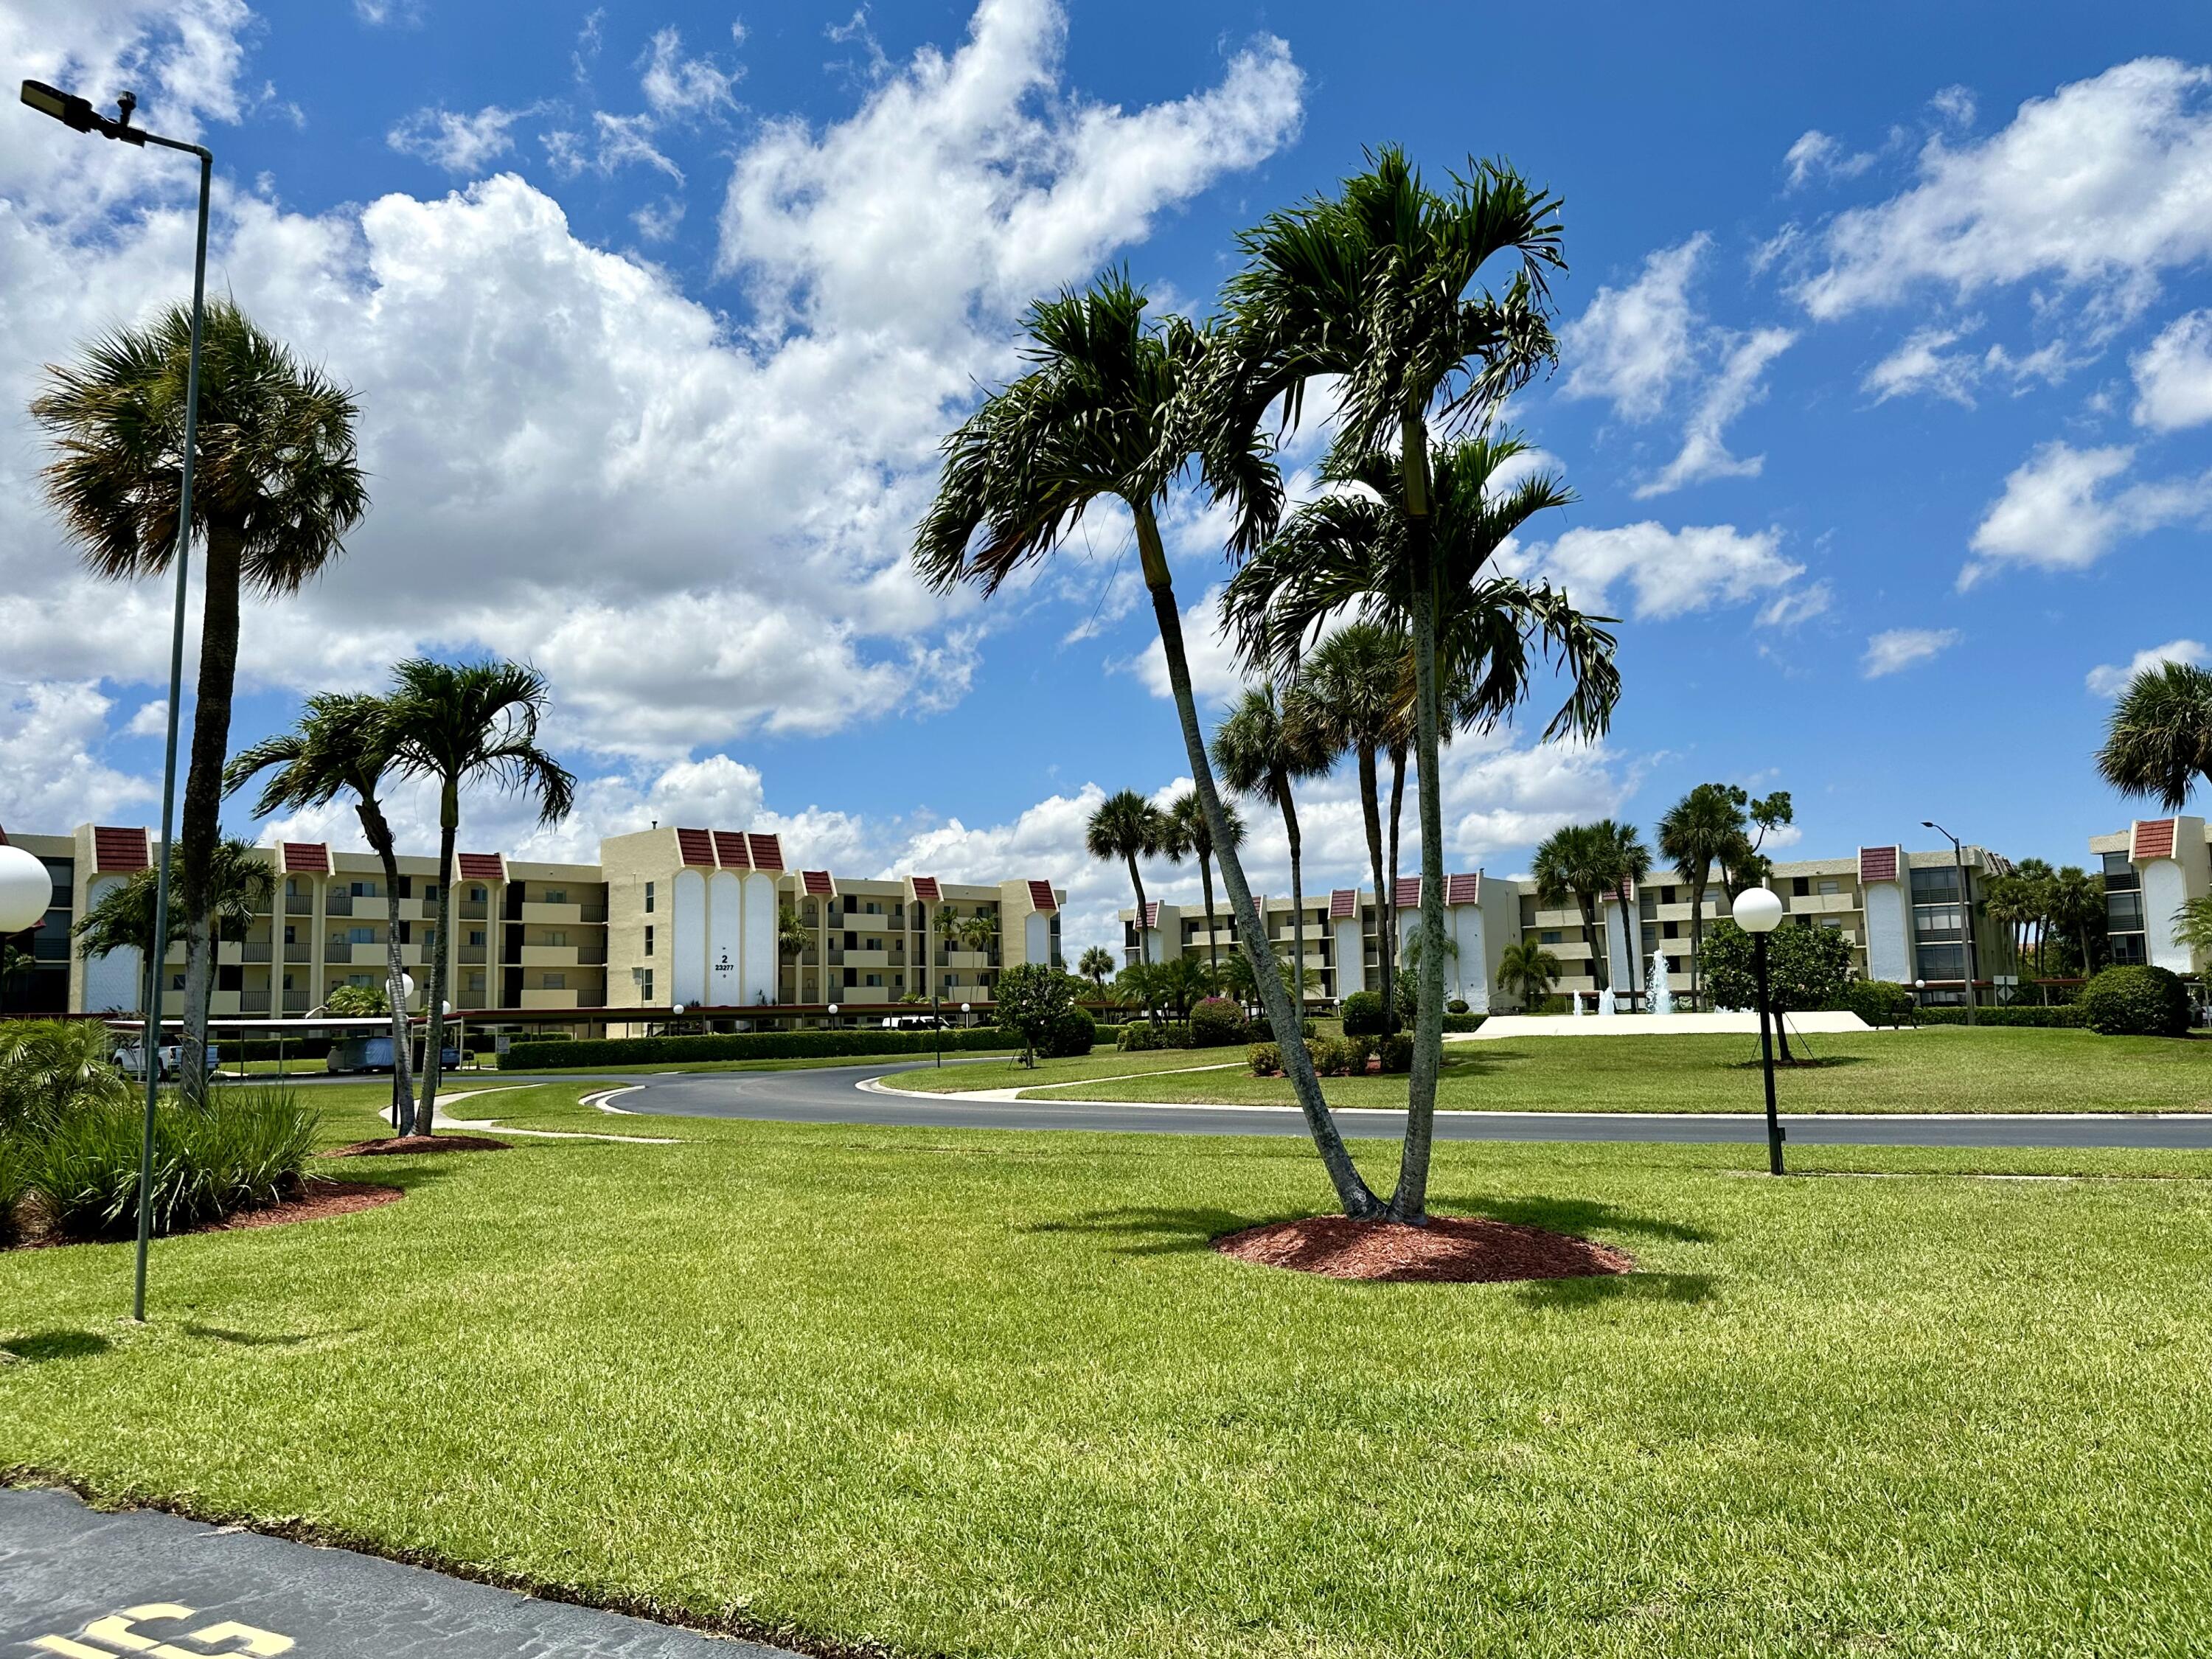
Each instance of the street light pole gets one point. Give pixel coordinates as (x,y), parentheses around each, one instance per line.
(1966,911)
(78,114)
(1757,911)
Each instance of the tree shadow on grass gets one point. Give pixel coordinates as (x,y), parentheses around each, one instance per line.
(1682,1289)
(248,1339)
(41,1346)
(1579,1216)
(1150,1229)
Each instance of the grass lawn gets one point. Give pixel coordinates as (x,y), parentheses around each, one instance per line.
(1102,1062)
(809,1063)
(1937,1069)
(976,1394)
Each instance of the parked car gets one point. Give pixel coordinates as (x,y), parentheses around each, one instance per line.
(130,1061)
(916,1023)
(374,1055)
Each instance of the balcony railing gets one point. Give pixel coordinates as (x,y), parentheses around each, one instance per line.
(299,904)
(473,909)
(296,953)
(253,1002)
(595,912)
(472,953)
(296,1002)
(336,904)
(337,949)
(253,950)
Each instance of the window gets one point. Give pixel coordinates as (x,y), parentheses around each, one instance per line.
(476,895)
(1937,886)
(2124,913)
(1943,961)
(293,890)
(362,980)
(645,986)
(362,888)
(1550,936)
(477,980)
(2120,873)
(648,943)
(1829,884)
(556,936)
(1800,886)
(556,896)
(648,898)
(477,935)
(289,931)
(361,935)
(1936,921)
(556,981)
(2128,949)
(429,892)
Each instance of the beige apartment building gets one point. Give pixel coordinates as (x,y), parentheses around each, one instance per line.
(707,919)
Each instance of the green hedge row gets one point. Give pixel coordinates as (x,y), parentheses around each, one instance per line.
(2066,1017)
(571,1052)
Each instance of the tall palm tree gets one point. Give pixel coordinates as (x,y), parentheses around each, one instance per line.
(1583,862)
(464,724)
(2159,741)
(1192,838)
(276,489)
(1096,965)
(1527,971)
(1268,744)
(1374,290)
(1103,413)
(2078,908)
(342,746)
(1128,827)
(1635,860)
(1696,833)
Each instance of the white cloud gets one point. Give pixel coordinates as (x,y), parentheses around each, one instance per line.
(1631,344)
(676,85)
(1798,606)
(1817,152)
(656,222)
(50,774)
(461,144)
(1704,454)
(1955,105)
(621,140)
(2100,186)
(1214,674)
(1920,365)
(152,720)
(1670,573)
(2056,512)
(2109,679)
(1897,649)
(2173,375)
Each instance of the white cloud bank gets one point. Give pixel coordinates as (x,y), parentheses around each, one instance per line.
(1897,649)
(2109,679)
(2057,512)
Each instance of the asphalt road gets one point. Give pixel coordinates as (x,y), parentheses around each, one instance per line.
(833,1094)
(85,1585)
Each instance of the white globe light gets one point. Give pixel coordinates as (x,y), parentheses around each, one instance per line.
(1757,910)
(446,1007)
(26,890)
(967,1007)
(407,988)
(832,1007)
(677,1009)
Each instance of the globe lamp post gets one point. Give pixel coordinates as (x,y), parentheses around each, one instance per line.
(1757,911)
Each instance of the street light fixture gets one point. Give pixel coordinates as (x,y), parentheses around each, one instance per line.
(78,115)
(1966,911)
(1757,911)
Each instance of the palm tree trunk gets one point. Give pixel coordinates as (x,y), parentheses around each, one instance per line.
(1600,971)
(378,831)
(1351,1192)
(1298,902)
(1371,811)
(200,824)
(1410,1201)
(449,825)
(1213,944)
(1144,949)
(1696,941)
(1386,904)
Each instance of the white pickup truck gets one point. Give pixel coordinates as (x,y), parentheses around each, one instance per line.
(132,1062)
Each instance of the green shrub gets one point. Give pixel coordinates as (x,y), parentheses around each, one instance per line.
(570,1052)
(1217,1023)
(1362,1014)
(14,1187)
(1396,1052)
(2137,1001)
(50,1067)
(1342,1056)
(1265,1059)
(1463,1023)
(2060,1019)
(244,1150)
(1073,1033)
(1456,1006)
(1876,1001)
(1555,1004)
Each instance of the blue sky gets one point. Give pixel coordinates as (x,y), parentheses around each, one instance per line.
(1886,384)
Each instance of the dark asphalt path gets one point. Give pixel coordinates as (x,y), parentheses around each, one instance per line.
(831,1095)
(82,1584)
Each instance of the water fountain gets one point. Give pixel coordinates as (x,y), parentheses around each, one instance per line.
(1575,1001)
(1605,1005)
(1662,994)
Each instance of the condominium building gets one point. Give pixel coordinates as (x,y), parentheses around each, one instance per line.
(708,919)
(2150,870)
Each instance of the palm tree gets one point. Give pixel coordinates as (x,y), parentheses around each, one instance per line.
(2159,741)
(1583,862)
(1129,827)
(1267,743)
(1696,833)
(240,884)
(1096,965)
(792,935)
(276,487)
(465,724)
(1635,860)
(342,746)
(1527,971)
(2078,907)
(1103,413)
(1192,838)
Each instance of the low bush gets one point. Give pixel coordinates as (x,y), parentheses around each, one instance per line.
(50,1068)
(14,1187)
(1395,1052)
(1456,1006)
(568,1052)
(2137,1001)
(244,1150)
(1876,1001)
(1218,1023)
(1143,1036)
(1362,1014)
(1345,1056)
(1265,1059)
(1463,1023)
(1073,1033)
(2058,1019)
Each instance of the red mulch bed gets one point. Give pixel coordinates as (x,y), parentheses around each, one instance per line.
(394,1144)
(1455,1249)
(318,1199)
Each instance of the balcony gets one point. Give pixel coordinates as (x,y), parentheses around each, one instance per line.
(972,962)
(253,1002)
(592,955)
(548,956)
(552,916)
(1822,903)
(299,904)
(337,949)
(472,910)
(594,914)
(337,904)
(867,959)
(472,954)
(296,1002)
(254,950)
(539,997)
(296,951)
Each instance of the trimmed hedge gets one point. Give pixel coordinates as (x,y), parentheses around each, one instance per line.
(2137,1001)
(1463,1023)
(572,1053)
(1218,1023)
(2065,1018)
(1072,1034)
(1362,1014)
(1876,1001)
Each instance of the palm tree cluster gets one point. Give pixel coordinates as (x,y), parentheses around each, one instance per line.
(1379,296)
(2041,907)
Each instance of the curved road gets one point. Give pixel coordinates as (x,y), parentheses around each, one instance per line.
(835,1095)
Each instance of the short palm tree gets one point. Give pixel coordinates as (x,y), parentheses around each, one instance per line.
(342,746)
(1103,414)
(1192,838)
(2159,741)
(1527,971)
(1096,965)
(1696,833)
(1582,862)
(1266,747)
(276,487)
(1127,827)
(2078,908)
(464,725)
(240,884)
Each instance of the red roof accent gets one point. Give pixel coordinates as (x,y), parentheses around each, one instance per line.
(482,867)
(730,849)
(696,846)
(818,883)
(1343,904)
(1406,894)
(1628,890)
(925,889)
(1463,890)
(308,857)
(1152,913)
(120,849)
(1040,898)
(2153,839)
(1879,863)
(768,853)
